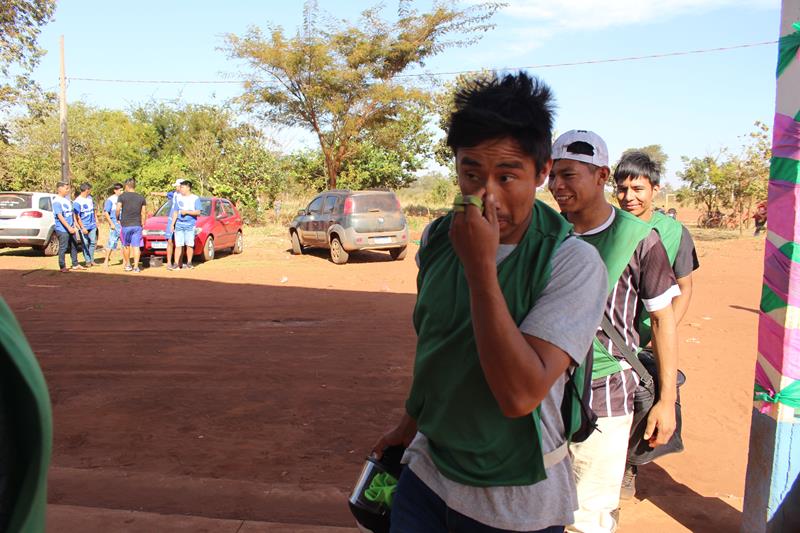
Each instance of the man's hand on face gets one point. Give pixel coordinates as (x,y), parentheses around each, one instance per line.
(476,237)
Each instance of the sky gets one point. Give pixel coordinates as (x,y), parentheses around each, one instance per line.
(693,105)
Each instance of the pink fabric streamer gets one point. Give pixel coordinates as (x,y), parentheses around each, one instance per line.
(779,346)
(784,197)
(786,137)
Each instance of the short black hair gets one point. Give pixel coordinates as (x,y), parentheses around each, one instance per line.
(187,183)
(61,184)
(518,106)
(637,164)
(86,186)
(116,186)
(130,182)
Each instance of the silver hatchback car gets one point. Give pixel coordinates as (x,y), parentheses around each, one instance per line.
(26,219)
(348,221)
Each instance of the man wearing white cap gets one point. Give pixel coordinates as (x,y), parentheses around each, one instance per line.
(639,276)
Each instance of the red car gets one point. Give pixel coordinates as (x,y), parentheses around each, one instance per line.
(219,227)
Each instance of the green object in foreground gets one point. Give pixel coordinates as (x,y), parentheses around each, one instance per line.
(381,490)
(461,202)
(29,424)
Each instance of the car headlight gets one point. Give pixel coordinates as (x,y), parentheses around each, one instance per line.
(197,231)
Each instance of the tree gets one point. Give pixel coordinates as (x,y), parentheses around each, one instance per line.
(655,151)
(705,178)
(340,80)
(20,24)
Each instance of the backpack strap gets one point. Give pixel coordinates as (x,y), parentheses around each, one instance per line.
(630,355)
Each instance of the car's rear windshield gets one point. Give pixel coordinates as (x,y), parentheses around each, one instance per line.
(205,208)
(385,202)
(15,200)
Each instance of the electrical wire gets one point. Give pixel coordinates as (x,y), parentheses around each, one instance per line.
(459,72)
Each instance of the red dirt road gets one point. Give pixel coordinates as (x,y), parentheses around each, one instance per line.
(253,386)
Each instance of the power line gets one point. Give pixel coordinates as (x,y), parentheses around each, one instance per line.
(456,73)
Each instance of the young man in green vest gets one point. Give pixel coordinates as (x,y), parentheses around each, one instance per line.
(508,302)
(638,178)
(639,277)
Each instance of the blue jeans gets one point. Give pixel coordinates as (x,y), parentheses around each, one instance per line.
(67,241)
(89,242)
(417,509)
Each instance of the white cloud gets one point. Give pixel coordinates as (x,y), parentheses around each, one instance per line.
(598,14)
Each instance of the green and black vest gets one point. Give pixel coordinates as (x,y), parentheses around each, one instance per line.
(671,232)
(28,425)
(471,441)
(616,245)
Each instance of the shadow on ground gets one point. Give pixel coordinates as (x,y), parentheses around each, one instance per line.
(697,513)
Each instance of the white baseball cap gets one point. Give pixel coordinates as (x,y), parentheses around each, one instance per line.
(599,150)
(178,182)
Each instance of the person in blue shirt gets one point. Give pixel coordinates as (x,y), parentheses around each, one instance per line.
(114,227)
(87,222)
(66,229)
(184,220)
(172,197)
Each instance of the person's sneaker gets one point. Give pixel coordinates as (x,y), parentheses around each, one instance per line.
(188,266)
(78,267)
(136,269)
(64,270)
(628,489)
(172,267)
(128,268)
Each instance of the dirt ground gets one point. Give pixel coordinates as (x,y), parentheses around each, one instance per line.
(253,386)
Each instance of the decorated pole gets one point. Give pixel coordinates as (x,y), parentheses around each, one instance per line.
(772,487)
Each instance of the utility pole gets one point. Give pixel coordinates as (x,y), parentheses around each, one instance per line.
(62,100)
(772,487)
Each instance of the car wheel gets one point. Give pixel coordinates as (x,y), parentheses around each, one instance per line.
(398,254)
(208,249)
(338,253)
(297,248)
(51,248)
(239,246)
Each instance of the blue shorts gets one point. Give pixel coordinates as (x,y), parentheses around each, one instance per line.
(132,236)
(114,238)
(184,237)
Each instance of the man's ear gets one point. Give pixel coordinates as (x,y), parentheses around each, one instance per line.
(602,175)
(656,188)
(544,173)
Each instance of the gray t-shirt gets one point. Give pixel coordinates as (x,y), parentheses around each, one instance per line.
(567,314)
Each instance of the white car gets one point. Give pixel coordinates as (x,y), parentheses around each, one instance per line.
(26,219)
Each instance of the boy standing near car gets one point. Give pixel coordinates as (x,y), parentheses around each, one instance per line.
(132,212)
(638,179)
(639,275)
(184,220)
(87,222)
(114,227)
(65,228)
(507,303)
(169,231)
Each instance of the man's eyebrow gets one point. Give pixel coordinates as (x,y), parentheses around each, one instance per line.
(471,162)
(510,164)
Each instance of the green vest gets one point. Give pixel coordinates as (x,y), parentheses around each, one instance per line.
(29,420)
(471,441)
(670,231)
(616,245)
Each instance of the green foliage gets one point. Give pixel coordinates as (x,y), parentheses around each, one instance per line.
(735,182)
(251,176)
(20,24)
(339,80)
